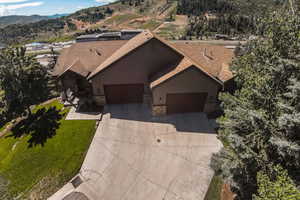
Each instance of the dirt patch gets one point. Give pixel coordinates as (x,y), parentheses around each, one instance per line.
(4,193)
(49,101)
(15,145)
(181,20)
(45,188)
(226,193)
(10,126)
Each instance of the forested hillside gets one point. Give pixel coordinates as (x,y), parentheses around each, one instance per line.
(49,28)
(230,17)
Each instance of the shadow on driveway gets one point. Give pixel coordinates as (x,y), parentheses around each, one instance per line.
(186,122)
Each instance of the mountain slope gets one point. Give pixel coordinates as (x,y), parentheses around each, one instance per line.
(172,19)
(57,16)
(23,19)
(121,14)
(19,19)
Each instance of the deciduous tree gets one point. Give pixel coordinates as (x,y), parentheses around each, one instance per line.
(277,186)
(23,80)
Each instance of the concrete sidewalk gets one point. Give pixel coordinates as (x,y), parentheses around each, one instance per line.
(75,115)
(135,156)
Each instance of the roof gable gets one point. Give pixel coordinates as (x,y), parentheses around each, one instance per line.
(90,54)
(130,46)
(76,67)
(186,55)
(212,58)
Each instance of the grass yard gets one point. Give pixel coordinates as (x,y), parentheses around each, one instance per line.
(215,189)
(43,168)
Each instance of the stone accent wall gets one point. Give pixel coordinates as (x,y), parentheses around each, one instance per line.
(159,110)
(100,100)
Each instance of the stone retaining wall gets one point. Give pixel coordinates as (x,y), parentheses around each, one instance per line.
(159,110)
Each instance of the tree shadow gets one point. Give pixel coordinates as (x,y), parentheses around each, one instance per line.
(41,126)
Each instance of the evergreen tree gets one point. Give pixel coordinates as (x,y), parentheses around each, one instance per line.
(261,124)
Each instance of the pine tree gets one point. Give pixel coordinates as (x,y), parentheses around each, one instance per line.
(261,124)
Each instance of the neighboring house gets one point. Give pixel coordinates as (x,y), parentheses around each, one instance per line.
(35,46)
(45,59)
(121,35)
(172,77)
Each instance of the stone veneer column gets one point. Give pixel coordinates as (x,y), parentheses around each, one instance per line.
(159,110)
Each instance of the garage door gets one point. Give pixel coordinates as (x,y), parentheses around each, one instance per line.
(124,94)
(184,103)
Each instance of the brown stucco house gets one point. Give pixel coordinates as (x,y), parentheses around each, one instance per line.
(172,77)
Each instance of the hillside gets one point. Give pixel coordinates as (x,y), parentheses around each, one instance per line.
(119,15)
(172,19)
(22,19)
(19,19)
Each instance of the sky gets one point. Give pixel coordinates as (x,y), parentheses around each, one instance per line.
(46,7)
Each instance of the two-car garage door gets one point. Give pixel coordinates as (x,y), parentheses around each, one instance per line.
(124,94)
(184,103)
(176,103)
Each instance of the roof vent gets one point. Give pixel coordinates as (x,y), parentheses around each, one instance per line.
(98,52)
(206,55)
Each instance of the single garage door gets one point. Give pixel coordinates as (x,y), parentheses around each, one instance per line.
(184,103)
(124,94)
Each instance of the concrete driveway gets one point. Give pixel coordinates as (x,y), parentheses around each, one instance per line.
(135,156)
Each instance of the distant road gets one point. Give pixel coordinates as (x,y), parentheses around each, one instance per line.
(44,51)
(214,42)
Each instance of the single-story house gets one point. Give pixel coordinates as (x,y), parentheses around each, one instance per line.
(170,76)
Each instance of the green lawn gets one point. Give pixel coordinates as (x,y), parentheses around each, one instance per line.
(215,189)
(55,163)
